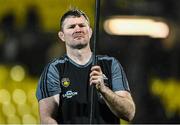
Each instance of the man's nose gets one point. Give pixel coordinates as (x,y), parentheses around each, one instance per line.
(77,28)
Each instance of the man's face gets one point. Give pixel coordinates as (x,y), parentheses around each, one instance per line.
(76,32)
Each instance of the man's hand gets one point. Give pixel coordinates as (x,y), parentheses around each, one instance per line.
(119,102)
(96,77)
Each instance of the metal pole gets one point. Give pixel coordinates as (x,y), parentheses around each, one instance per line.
(96,36)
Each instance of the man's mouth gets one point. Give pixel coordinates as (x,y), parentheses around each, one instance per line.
(77,36)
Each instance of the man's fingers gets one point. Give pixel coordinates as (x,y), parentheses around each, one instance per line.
(95,73)
(95,78)
(96,68)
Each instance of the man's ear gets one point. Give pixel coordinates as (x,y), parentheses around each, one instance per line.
(61,35)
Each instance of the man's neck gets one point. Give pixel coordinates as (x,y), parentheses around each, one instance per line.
(80,56)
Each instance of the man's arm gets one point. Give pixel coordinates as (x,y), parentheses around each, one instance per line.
(119,102)
(48,108)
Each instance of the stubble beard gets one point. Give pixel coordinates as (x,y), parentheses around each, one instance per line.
(79,46)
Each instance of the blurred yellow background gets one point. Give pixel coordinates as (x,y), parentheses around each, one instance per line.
(49,11)
(18,104)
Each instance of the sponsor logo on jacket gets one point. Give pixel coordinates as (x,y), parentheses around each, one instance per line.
(69,94)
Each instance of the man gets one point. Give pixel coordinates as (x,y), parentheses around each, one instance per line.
(64,87)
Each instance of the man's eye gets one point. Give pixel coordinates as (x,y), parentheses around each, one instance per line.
(71,27)
(81,25)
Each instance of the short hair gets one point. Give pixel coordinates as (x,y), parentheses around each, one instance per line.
(73,13)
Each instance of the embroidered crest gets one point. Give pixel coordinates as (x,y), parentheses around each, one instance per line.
(65,82)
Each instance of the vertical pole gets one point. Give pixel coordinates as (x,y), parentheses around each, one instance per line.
(96,36)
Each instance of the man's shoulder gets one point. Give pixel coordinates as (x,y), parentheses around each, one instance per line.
(105,57)
(59,60)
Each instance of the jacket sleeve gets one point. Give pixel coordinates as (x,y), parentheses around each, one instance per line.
(119,79)
(48,84)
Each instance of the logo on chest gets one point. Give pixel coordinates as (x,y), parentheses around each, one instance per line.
(65,82)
